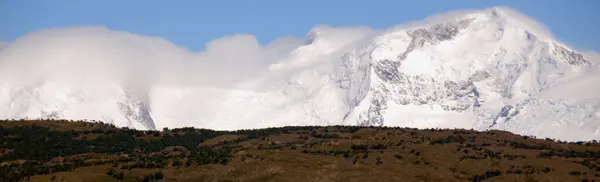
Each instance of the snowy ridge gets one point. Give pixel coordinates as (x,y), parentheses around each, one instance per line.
(485,69)
(439,79)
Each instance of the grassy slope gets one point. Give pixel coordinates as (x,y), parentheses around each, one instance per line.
(81,151)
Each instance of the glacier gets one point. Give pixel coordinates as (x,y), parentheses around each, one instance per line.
(482,69)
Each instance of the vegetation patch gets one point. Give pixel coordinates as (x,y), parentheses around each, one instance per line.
(54,150)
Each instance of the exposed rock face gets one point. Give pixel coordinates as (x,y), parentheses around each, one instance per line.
(494,83)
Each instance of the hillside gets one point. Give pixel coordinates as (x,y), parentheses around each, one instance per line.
(88,151)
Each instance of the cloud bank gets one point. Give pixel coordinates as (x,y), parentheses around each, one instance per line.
(97,53)
(94,52)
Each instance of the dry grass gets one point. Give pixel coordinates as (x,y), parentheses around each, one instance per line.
(391,155)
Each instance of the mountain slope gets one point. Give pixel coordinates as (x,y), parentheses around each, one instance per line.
(471,72)
(51,100)
(485,69)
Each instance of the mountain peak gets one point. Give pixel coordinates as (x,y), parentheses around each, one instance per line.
(479,69)
(519,20)
(498,14)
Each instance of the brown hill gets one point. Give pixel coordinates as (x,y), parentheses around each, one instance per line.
(84,151)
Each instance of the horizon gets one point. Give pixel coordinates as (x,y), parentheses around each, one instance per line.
(268,21)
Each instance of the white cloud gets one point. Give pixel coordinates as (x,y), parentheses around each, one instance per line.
(96,54)
(592,56)
(525,21)
(4,44)
(92,52)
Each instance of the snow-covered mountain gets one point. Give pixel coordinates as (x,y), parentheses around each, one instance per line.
(484,69)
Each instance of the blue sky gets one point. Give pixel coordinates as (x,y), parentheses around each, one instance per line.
(192,23)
